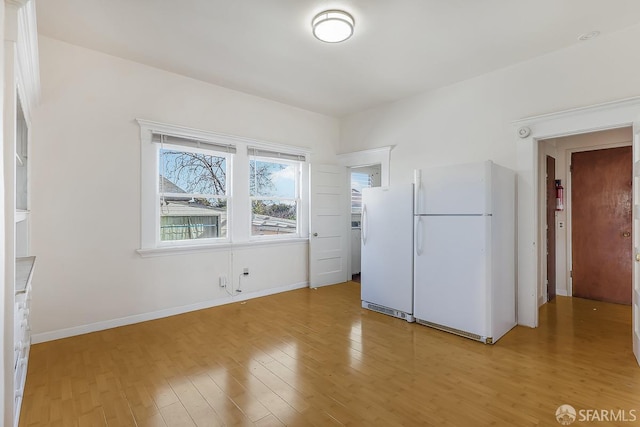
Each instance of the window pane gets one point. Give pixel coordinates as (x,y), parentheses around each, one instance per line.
(270,217)
(190,219)
(272,179)
(359,181)
(196,173)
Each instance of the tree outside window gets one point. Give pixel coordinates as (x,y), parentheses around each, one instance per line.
(193,194)
(274,192)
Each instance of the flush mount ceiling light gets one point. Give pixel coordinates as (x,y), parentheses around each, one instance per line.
(333,26)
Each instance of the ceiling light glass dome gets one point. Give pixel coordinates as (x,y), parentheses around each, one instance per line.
(333,26)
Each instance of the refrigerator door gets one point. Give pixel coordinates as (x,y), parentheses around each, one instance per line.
(387,247)
(451,272)
(457,189)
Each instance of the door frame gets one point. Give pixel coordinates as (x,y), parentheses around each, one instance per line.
(549,204)
(527,132)
(356,159)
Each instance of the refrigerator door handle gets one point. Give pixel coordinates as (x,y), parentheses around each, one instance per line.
(363,225)
(419,236)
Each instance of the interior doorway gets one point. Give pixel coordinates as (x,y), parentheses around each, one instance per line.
(378,158)
(532,132)
(361,177)
(576,222)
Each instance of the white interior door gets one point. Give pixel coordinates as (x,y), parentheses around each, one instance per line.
(328,244)
(635,306)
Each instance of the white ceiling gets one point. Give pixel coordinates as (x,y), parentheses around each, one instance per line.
(265,47)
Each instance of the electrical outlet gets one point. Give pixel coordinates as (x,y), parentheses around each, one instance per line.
(245,271)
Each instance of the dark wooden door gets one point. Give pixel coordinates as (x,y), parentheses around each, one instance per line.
(601,224)
(551,228)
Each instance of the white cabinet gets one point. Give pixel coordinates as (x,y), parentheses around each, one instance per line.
(21,328)
(21,83)
(24,264)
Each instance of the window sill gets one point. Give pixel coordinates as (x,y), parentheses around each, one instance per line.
(190,249)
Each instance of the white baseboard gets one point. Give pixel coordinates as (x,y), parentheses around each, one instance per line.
(137,318)
(562,292)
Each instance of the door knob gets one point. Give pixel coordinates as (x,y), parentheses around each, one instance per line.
(626,234)
(315,234)
(638,257)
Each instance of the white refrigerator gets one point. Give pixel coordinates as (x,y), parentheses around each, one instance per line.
(464,255)
(387,250)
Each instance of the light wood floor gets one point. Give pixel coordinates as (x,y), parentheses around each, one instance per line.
(315,358)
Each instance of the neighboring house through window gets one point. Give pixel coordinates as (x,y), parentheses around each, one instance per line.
(192,194)
(192,189)
(274,188)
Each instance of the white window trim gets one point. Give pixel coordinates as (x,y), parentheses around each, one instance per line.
(179,250)
(239,231)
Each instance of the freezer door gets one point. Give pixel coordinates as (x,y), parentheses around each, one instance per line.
(387,247)
(450,280)
(457,189)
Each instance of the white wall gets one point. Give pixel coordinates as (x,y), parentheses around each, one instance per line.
(472,120)
(86,191)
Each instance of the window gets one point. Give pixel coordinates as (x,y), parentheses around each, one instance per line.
(192,193)
(359,181)
(202,190)
(274,190)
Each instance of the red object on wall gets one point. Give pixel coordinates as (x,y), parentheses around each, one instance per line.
(559,195)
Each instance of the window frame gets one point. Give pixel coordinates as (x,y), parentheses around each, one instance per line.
(239,227)
(227,196)
(297,164)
